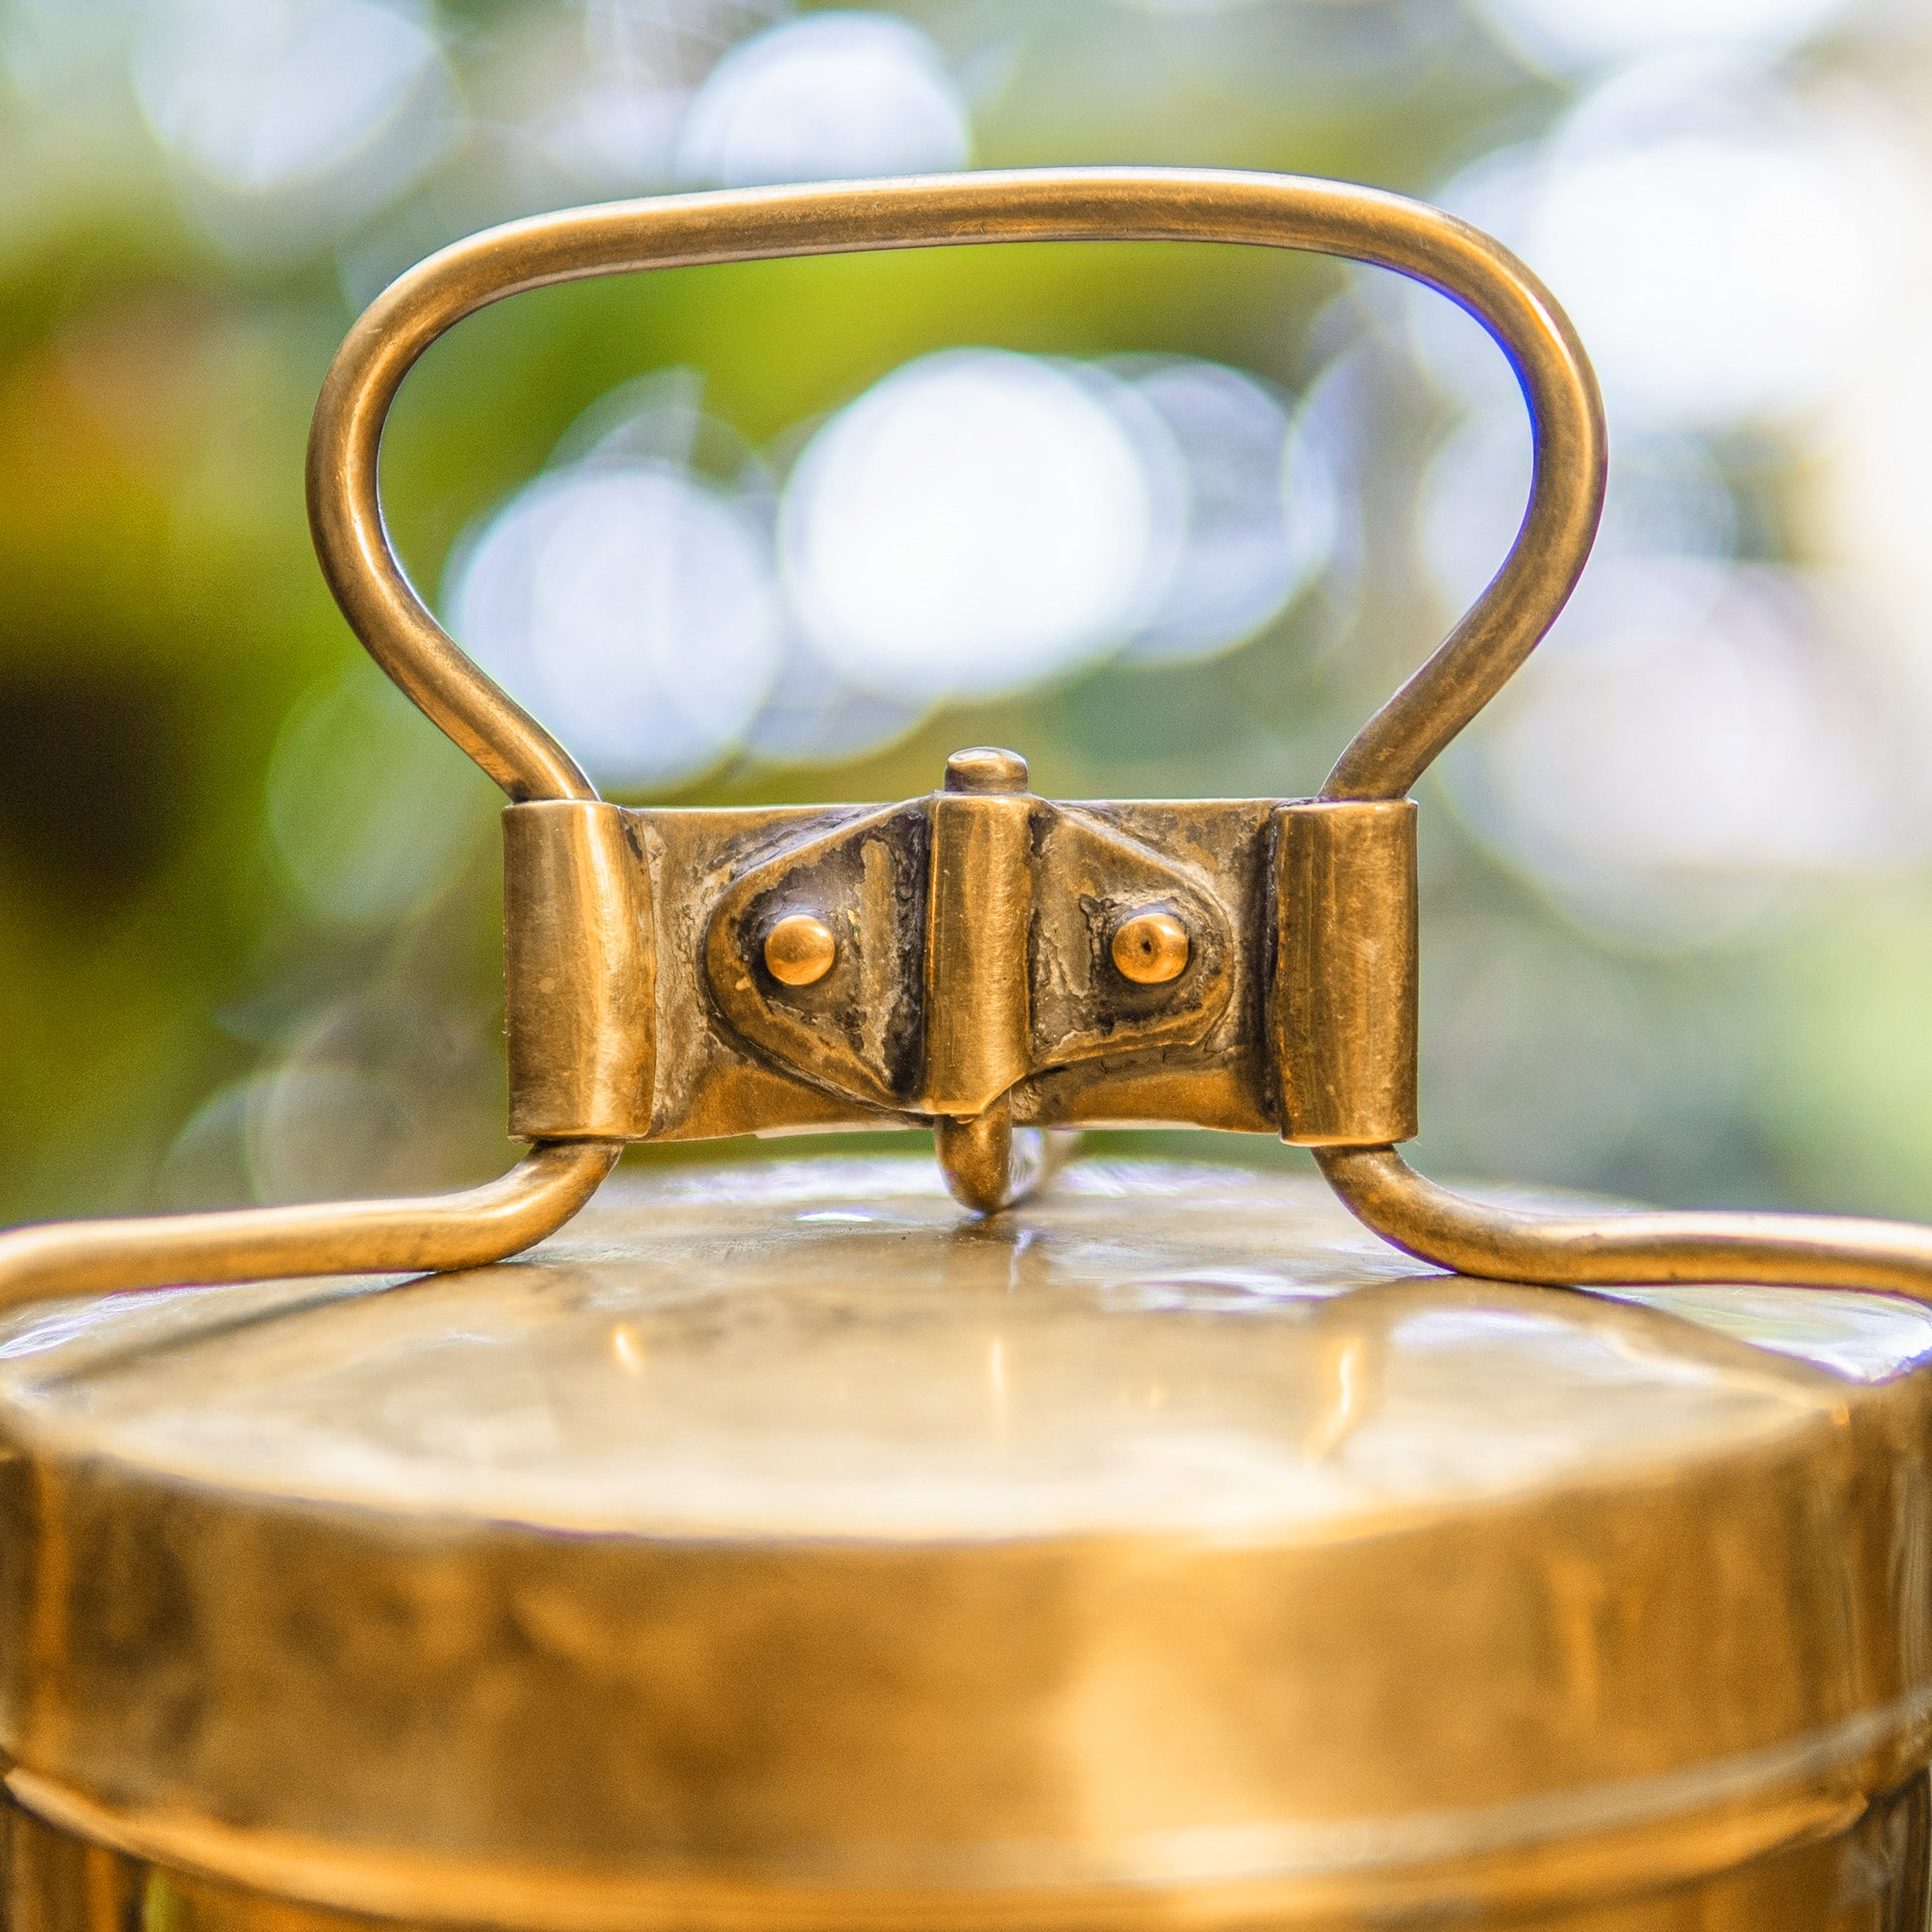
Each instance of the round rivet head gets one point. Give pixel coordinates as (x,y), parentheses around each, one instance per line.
(798,949)
(1151,948)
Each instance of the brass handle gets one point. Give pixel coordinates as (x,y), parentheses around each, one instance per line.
(1380,763)
(1385,758)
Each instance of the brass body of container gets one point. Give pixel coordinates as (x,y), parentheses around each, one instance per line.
(773,1549)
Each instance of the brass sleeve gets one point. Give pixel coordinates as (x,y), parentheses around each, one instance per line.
(580,973)
(1343,1004)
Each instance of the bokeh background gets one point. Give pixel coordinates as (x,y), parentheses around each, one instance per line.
(1170,521)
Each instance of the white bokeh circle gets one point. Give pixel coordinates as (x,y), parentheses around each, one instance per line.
(976,522)
(1722,248)
(633,610)
(310,113)
(831,97)
(1682,753)
(1666,498)
(1572,34)
(1257,514)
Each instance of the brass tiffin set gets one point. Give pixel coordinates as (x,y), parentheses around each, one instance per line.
(781,1549)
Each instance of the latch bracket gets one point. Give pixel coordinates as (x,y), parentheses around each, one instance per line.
(972,960)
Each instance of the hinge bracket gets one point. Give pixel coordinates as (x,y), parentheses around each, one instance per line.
(976,960)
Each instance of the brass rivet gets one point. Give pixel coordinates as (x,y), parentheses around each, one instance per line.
(1151,948)
(798,949)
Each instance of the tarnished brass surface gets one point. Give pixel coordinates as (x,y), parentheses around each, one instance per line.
(983,956)
(774,1549)
(1344,988)
(846,1047)
(974,963)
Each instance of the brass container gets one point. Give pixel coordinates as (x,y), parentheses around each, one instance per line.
(773,1549)
(848,1546)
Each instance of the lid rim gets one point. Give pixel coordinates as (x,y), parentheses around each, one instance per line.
(1513,1874)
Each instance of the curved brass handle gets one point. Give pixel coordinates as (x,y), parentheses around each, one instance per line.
(1045,205)
(1382,761)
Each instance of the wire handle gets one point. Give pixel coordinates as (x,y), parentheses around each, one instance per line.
(1384,758)
(1326,217)
(1380,764)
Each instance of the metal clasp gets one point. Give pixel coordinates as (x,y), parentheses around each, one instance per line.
(978,960)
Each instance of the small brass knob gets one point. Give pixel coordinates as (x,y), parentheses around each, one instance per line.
(798,949)
(986,768)
(1151,948)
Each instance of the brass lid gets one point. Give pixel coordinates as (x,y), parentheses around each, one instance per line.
(773,1548)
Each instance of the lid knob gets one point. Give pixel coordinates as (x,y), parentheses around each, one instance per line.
(985,768)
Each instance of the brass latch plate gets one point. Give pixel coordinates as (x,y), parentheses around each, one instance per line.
(682,975)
